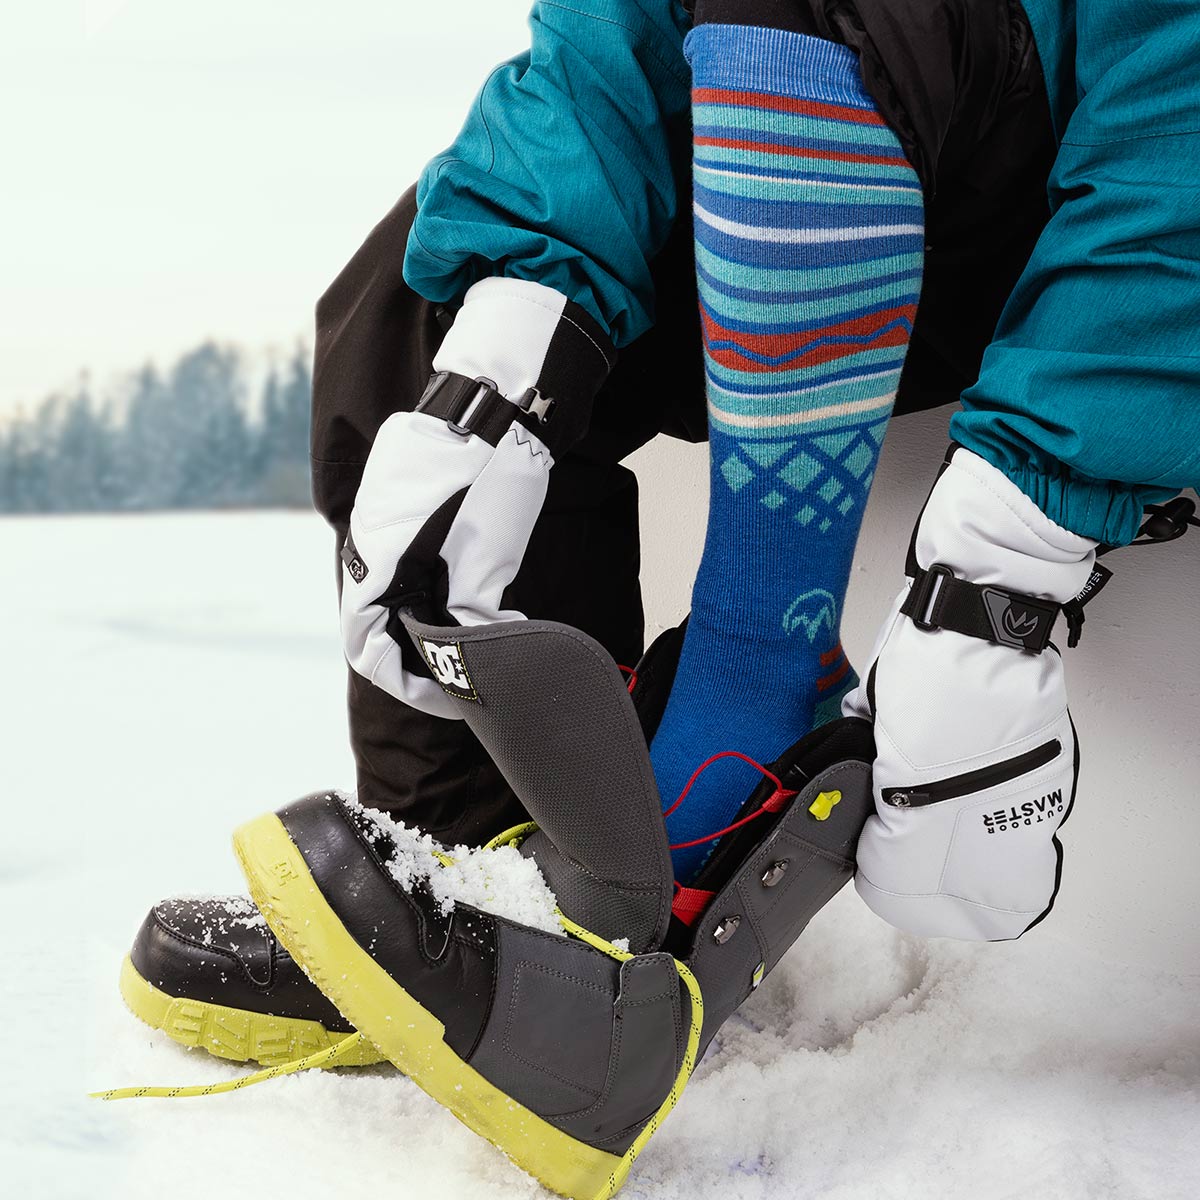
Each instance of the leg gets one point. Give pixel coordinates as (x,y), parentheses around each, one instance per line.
(810,165)
(810,238)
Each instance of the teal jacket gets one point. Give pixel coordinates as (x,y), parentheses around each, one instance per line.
(1089,397)
(566,170)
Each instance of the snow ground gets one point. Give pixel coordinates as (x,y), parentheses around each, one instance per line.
(167,677)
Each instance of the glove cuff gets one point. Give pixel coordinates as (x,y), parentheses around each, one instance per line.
(524,337)
(986,530)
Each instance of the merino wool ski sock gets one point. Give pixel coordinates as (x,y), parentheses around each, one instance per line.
(809,227)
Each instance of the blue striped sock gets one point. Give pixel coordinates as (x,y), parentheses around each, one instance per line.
(809,226)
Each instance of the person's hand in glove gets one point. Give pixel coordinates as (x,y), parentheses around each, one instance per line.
(976,754)
(451,492)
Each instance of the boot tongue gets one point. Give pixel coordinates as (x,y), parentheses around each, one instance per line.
(553,712)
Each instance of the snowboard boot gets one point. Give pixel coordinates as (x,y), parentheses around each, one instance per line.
(210,973)
(562,1037)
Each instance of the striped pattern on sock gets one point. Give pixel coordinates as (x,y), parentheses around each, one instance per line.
(809,228)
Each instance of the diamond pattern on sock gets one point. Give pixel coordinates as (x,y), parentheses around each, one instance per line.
(832,472)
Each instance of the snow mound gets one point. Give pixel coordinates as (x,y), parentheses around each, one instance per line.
(498,881)
(868,1065)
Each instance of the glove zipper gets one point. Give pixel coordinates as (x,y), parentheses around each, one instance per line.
(921,794)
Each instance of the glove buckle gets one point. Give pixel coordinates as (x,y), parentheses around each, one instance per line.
(468,406)
(486,387)
(536,405)
(924,595)
(938,599)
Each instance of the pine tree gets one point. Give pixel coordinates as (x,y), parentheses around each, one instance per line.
(184,441)
(285,434)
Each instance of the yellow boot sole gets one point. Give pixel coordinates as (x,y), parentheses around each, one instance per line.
(233,1033)
(406,1032)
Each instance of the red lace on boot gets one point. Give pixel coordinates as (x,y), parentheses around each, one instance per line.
(689,903)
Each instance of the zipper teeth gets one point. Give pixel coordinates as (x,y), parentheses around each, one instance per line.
(921,794)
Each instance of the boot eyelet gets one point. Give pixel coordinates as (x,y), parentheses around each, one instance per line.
(726,929)
(774,873)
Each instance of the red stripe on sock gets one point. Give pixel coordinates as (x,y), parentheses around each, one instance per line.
(831,656)
(785,345)
(844,156)
(789,104)
(827,681)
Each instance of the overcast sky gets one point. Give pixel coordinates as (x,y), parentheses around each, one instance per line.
(175,171)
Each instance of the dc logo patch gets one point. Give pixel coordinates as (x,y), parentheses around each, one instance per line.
(446,661)
(354,565)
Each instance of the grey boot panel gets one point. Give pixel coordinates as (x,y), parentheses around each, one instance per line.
(551,709)
(592,1045)
(754,919)
(614,910)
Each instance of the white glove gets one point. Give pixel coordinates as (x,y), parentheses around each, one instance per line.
(976,754)
(447,502)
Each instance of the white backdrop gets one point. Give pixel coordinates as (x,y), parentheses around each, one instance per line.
(1130,888)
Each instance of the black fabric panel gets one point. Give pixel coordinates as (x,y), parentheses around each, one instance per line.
(446,964)
(989,209)
(578,359)
(769,14)
(420,581)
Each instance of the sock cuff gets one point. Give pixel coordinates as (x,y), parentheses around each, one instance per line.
(752,58)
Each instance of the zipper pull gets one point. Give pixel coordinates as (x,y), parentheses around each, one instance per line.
(906,799)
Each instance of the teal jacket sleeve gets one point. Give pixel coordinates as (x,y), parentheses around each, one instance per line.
(1089,397)
(566,170)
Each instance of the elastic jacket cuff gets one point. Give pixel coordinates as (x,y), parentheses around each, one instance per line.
(1108,511)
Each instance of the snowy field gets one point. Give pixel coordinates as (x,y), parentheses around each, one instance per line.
(168,677)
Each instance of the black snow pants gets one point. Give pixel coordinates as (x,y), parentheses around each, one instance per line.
(960,83)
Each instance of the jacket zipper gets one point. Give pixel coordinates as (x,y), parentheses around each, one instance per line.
(921,794)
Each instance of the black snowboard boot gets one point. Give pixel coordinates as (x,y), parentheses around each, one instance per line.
(210,973)
(564,1047)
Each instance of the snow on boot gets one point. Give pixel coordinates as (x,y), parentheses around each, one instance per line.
(562,1035)
(209,972)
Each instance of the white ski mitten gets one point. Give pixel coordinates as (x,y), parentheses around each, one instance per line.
(976,757)
(450,492)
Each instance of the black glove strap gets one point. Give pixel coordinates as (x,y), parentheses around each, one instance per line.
(475,406)
(940,600)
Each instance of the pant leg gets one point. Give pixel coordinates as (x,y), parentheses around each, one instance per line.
(375,344)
